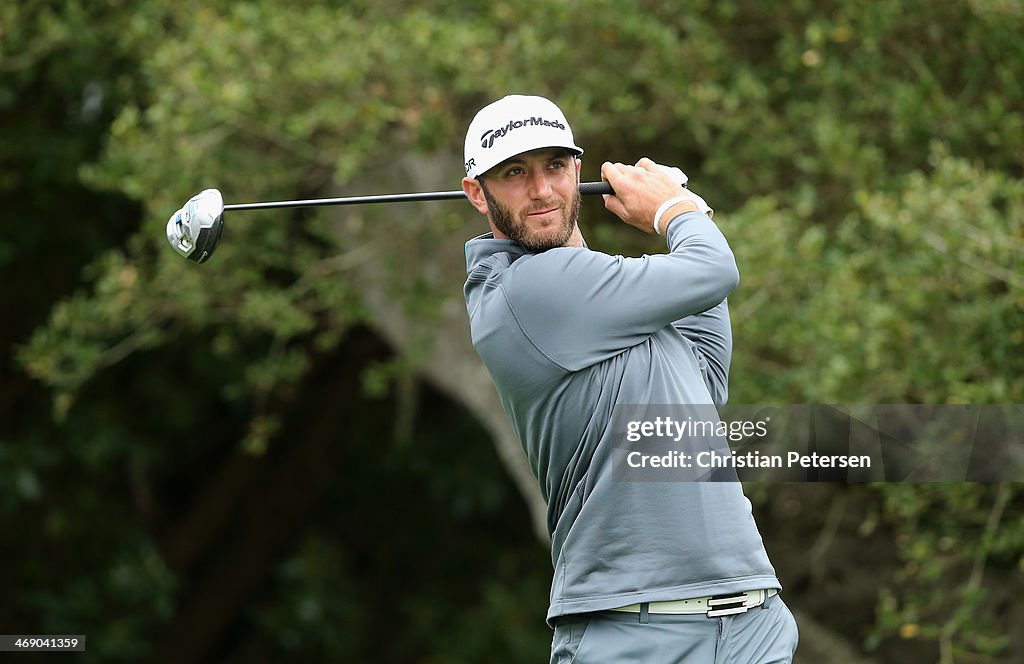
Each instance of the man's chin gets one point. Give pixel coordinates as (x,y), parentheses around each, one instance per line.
(542,241)
(537,248)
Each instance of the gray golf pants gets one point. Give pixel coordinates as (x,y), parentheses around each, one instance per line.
(765,634)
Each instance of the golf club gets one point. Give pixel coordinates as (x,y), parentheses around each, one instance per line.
(194,231)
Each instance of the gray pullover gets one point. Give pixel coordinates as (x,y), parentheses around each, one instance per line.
(568,334)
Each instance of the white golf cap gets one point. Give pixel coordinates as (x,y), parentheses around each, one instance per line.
(513,125)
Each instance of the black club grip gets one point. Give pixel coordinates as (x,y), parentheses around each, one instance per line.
(595,188)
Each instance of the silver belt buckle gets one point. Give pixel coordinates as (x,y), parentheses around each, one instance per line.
(731,605)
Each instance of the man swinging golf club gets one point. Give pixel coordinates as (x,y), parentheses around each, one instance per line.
(644,571)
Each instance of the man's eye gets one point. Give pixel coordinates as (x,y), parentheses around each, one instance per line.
(557,164)
(514,171)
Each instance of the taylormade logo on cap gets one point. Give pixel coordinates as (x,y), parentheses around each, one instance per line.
(487,140)
(514,125)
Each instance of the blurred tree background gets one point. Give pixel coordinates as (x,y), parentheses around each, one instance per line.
(291,453)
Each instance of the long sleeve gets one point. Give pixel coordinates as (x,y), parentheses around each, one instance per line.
(581,307)
(710,337)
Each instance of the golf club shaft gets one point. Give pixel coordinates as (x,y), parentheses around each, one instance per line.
(586,188)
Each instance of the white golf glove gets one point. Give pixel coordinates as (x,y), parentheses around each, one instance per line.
(675,174)
(682,179)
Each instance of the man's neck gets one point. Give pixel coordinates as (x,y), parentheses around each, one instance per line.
(576,239)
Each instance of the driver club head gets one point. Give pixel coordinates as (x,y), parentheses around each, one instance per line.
(194,230)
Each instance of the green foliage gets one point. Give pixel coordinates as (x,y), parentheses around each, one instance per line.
(319,611)
(946,533)
(864,300)
(132,596)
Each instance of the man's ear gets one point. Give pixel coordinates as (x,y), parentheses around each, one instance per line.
(475,194)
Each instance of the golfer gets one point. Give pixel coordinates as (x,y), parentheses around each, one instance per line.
(643,571)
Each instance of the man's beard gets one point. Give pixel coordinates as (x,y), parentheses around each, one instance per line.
(506,221)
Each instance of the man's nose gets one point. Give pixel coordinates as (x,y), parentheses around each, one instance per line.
(540,188)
